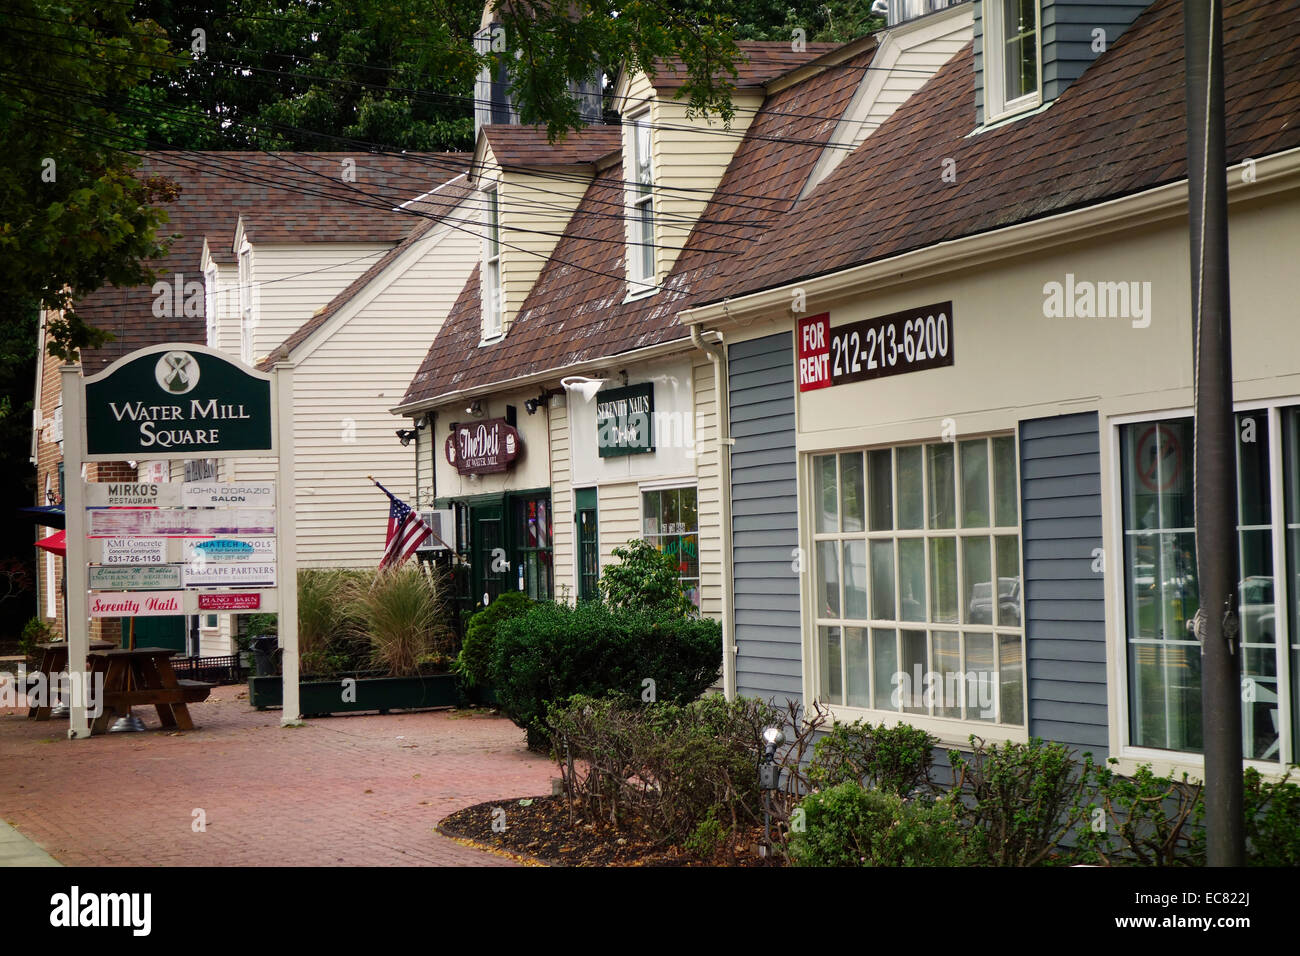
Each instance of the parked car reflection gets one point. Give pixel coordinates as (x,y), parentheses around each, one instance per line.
(980,610)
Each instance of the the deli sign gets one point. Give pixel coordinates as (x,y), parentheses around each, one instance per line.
(909,341)
(482,448)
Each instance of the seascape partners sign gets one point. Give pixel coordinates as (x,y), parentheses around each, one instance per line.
(177,403)
(625,421)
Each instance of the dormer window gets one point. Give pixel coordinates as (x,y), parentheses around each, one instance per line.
(210,290)
(247,304)
(1013,80)
(492,304)
(641,251)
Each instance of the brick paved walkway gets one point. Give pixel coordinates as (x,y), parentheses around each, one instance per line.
(354,790)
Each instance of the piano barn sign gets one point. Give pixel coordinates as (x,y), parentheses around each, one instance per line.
(483,448)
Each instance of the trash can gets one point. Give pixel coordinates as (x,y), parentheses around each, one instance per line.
(264,648)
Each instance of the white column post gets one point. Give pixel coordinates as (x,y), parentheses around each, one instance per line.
(76,606)
(286,542)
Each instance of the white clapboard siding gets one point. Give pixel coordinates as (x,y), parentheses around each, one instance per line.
(689,158)
(562,558)
(347,377)
(292,281)
(619,510)
(709,487)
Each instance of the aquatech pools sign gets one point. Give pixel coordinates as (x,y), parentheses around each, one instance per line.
(177,402)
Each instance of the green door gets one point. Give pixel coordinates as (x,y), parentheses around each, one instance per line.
(166,632)
(588,544)
(489,559)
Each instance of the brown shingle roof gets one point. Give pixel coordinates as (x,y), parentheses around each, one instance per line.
(430,209)
(576,310)
(305,188)
(765,60)
(515,145)
(1117,130)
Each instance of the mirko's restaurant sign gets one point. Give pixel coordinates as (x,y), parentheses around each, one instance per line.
(175,402)
(483,448)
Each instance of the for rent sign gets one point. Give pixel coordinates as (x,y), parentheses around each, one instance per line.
(894,344)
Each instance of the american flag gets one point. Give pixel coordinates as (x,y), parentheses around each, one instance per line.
(406,529)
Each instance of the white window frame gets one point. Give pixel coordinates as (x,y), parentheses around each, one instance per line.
(996,105)
(949,730)
(211,303)
(247,305)
(1129,754)
(641,208)
(654,487)
(493,327)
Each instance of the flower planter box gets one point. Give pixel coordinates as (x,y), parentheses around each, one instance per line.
(383,694)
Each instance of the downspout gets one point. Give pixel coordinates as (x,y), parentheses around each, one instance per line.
(718,357)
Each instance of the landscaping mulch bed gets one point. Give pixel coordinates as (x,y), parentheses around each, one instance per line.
(540,827)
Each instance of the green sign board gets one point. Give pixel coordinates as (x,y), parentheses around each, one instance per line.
(135,577)
(625,420)
(177,403)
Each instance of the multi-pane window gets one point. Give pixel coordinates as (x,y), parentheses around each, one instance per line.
(1160,582)
(642,252)
(247,305)
(533,546)
(1011,43)
(492,320)
(210,301)
(670,522)
(917,580)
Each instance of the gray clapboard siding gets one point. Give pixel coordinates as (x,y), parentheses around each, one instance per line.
(764,518)
(1065,601)
(1067,40)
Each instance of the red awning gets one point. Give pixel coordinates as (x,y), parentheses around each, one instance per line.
(56,543)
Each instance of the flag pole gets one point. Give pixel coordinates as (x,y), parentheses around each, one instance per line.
(433,534)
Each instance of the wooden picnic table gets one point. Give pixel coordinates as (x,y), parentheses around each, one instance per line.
(144,676)
(54,660)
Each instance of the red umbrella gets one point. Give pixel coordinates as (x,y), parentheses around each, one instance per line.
(56,543)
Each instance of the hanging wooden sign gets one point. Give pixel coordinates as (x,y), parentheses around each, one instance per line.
(483,448)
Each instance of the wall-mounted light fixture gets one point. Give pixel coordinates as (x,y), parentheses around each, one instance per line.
(586,387)
(533,404)
(475,408)
(404,435)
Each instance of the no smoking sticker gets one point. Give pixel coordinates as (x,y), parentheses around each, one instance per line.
(1159,458)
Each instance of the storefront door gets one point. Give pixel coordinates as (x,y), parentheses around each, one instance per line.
(588,545)
(489,561)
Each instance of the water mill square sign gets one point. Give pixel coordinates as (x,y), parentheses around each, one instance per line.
(177,403)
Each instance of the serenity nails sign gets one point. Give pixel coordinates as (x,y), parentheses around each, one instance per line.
(176,404)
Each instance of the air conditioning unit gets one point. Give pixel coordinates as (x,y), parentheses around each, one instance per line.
(443,523)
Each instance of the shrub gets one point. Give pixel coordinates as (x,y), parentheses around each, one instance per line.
(1272,820)
(475,658)
(326,615)
(1021,800)
(1144,819)
(686,773)
(645,579)
(404,615)
(35,631)
(554,651)
(849,825)
(895,759)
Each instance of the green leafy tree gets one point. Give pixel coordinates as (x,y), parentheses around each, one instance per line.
(73,215)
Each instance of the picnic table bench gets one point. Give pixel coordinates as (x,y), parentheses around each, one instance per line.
(54,660)
(144,676)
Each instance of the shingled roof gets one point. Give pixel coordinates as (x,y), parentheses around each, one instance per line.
(514,145)
(306,190)
(764,61)
(1118,130)
(576,310)
(429,210)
